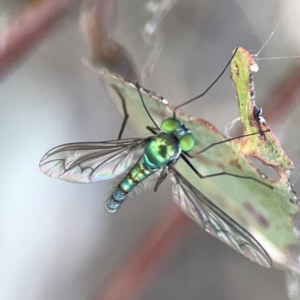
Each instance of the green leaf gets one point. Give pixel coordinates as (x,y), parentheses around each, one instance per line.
(266,146)
(267,214)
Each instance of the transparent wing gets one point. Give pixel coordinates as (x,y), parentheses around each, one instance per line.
(90,162)
(215,221)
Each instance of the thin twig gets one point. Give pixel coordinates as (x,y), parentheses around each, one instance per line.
(27,29)
(146,258)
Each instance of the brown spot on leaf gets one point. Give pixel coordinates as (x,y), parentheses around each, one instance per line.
(257,215)
(237,71)
(235,163)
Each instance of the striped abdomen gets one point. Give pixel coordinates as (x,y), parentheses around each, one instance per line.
(160,151)
(139,172)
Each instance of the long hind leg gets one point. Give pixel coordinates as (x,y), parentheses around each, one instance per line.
(186,160)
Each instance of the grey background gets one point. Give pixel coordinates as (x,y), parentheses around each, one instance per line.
(56,240)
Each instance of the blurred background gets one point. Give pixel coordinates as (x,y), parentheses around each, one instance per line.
(57,242)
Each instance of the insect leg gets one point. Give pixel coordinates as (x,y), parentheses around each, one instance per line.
(225,141)
(152,129)
(211,85)
(185,159)
(162,176)
(126,116)
(144,105)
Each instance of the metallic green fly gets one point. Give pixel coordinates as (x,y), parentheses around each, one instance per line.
(155,157)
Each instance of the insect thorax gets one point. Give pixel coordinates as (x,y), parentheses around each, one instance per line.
(161,150)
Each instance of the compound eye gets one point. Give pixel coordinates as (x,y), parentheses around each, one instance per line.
(187,142)
(169,125)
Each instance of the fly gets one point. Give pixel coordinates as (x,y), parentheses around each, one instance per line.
(157,154)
